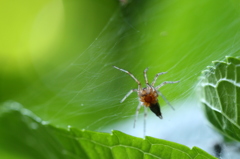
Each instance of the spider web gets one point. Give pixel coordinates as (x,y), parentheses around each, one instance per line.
(82,89)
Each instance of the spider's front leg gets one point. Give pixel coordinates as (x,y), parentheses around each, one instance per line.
(128,94)
(166,82)
(156,77)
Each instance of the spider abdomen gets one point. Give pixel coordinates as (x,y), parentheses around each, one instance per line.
(155,108)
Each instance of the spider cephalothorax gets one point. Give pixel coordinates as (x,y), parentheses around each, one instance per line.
(148,96)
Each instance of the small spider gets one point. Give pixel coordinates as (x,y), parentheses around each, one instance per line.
(148,96)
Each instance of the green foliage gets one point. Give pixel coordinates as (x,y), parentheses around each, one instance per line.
(58,55)
(27,135)
(56,60)
(220,94)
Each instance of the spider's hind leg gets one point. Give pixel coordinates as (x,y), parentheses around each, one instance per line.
(165,99)
(137,112)
(145,120)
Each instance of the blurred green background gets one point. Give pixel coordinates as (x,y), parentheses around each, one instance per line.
(56,56)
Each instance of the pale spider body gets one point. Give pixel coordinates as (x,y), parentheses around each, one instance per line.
(148,96)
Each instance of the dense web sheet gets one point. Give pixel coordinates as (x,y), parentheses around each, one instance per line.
(86,90)
(88,87)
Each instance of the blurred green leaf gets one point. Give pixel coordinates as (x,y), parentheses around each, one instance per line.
(220,94)
(27,135)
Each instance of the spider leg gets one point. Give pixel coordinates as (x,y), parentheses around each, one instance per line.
(165,99)
(139,84)
(156,77)
(145,118)
(166,82)
(128,94)
(136,116)
(145,76)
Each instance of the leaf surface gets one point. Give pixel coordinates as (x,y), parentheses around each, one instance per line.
(24,134)
(220,94)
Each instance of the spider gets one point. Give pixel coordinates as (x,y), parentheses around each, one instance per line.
(148,96)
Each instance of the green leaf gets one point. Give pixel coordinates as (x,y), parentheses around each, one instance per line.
(24,134)
(220,94)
